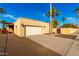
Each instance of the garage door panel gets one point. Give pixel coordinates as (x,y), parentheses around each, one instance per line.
(33,30)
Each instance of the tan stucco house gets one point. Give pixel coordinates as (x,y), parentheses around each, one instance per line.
(26,27)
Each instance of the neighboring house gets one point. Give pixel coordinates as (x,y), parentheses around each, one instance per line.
(26,27)
(10,27)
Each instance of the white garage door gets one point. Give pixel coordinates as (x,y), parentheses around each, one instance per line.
(33,30)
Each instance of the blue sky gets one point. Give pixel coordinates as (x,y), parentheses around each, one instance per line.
(27,10)
(66,10)
(37,11)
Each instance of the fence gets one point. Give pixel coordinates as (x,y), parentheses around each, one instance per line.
(65,30)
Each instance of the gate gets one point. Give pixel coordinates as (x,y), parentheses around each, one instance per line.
(58,30)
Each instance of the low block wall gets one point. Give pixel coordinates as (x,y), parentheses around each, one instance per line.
(54,30)
(65,30)
(68,30)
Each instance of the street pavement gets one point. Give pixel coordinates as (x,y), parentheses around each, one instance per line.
(19,46)
(77,36)
(38,45)
(74,50)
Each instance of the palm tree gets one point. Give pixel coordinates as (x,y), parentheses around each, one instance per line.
(63,19)
(55,24)
(52,12)
(2,12)
(4,24)
(77,15)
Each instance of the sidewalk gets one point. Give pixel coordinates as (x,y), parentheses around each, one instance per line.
(57,44)
(77,36)
(74,50)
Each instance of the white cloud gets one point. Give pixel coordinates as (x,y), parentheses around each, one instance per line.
(43,15)
(70,18)
(10,16)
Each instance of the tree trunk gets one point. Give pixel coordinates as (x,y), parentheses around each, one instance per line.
(51,19)
(77,25)
(51,24)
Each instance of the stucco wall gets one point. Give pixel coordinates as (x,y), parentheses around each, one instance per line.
(66,30)
(20,30)
(54,30)
(17,27)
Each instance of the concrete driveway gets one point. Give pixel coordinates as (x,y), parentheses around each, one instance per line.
(17,46)
(57,44)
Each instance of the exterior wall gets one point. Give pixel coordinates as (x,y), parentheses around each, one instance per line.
(54,30)
(17,28)
(66,30)
(24,21)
